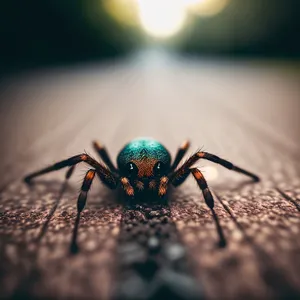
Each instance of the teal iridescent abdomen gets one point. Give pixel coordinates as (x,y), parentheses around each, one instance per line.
(143,148)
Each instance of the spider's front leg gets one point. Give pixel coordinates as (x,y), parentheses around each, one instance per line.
(178,178)
(209,200)
(81,201)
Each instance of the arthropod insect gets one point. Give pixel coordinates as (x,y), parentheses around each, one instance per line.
(144,165)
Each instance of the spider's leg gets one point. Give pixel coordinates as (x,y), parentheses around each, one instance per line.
(103,153)
(180,153)
(86,185)
(184,169)
(107,177)
(208,197)
(209,200)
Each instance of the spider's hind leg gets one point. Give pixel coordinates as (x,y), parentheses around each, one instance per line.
(106,176)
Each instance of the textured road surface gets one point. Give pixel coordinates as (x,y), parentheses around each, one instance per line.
(246,112)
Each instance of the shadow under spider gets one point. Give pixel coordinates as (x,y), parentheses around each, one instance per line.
(52,211)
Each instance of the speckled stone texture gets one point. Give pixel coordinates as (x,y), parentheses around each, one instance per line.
(154,261)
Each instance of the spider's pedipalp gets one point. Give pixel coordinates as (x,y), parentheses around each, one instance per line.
(163,185)
(127,186)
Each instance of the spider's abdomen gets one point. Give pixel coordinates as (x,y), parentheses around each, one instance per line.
(146,152)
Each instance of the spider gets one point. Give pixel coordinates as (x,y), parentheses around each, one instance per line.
(144,165)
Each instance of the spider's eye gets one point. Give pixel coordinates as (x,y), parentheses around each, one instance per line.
(132,170)
(159,168)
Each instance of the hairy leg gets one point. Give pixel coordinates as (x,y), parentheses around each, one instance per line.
(86,185)
(208,197)
(107,177)
(183,171)
(180,154)
(103,153)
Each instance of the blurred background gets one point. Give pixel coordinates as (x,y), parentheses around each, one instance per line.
(37,33)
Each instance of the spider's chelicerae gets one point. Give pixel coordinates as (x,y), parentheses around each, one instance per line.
(144,165)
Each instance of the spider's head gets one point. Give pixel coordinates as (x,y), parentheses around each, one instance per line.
(144,162)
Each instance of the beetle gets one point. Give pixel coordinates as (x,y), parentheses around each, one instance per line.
(144,165)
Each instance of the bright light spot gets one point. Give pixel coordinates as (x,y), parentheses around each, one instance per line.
(210,173)
(161,18)
(164,18)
